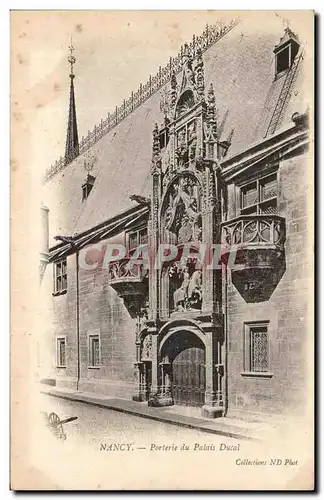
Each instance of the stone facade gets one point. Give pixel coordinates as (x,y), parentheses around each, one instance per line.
(287,311)
(231,339)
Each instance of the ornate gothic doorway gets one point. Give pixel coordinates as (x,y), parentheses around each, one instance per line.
(186,353)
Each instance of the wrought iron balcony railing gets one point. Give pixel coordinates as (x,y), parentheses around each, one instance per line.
(254,231)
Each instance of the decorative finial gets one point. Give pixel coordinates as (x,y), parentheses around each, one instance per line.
(199,71)
(211,112)
(173,91)
(164,102)
(156,142)
(286,23)
(186,53)
(211,95)
(71,57)
(173,81)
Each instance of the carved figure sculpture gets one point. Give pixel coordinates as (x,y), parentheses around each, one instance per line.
(189,295)
(181,294)
(192,140)
(194,291)
(182,218)
(147,348)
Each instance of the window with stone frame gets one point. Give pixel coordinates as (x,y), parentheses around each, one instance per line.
(137,238)
(60,276)
(260,196)
(94,351)
(256,348)
(61,352)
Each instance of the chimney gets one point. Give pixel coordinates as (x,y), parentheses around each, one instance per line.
(44,240)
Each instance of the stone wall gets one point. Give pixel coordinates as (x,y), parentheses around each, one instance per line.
(101,311)
(286,391)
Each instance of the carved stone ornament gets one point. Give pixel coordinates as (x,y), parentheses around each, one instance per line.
(147,348)
(185,287)
(199,76)
(188,74)
(182,218)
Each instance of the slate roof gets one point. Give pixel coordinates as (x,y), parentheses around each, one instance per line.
(241,68)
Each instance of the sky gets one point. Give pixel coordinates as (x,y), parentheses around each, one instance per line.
(115,52)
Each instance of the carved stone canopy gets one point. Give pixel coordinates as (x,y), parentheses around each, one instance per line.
(190,89)
(185,103)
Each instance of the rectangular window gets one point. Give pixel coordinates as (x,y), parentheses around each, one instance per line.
(143,236)
(94,351)
(60,276)
(256,349)
(133,241)
(61,352)
(260,196)
(259,361)
(137,238)
(250,197)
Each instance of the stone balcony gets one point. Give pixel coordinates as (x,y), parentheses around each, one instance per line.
(259,263)
(130,281)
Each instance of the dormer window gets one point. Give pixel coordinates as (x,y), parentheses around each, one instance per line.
(283,60)
(285,52)
(87,186)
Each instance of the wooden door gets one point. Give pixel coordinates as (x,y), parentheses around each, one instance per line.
(188,377)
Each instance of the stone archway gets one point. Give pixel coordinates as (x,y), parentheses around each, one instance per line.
(183,367)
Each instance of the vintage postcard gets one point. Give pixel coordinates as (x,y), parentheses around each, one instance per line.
(162,250)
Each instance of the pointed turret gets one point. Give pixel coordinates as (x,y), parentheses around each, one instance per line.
(72,140)
(156,143)
(173,92)
(199,75)
(211,111)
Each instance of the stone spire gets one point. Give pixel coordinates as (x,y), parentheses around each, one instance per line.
(72,140)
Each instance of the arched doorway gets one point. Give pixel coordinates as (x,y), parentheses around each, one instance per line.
(186,354)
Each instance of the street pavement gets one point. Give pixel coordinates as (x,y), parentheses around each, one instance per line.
(111,450)
(95,426)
